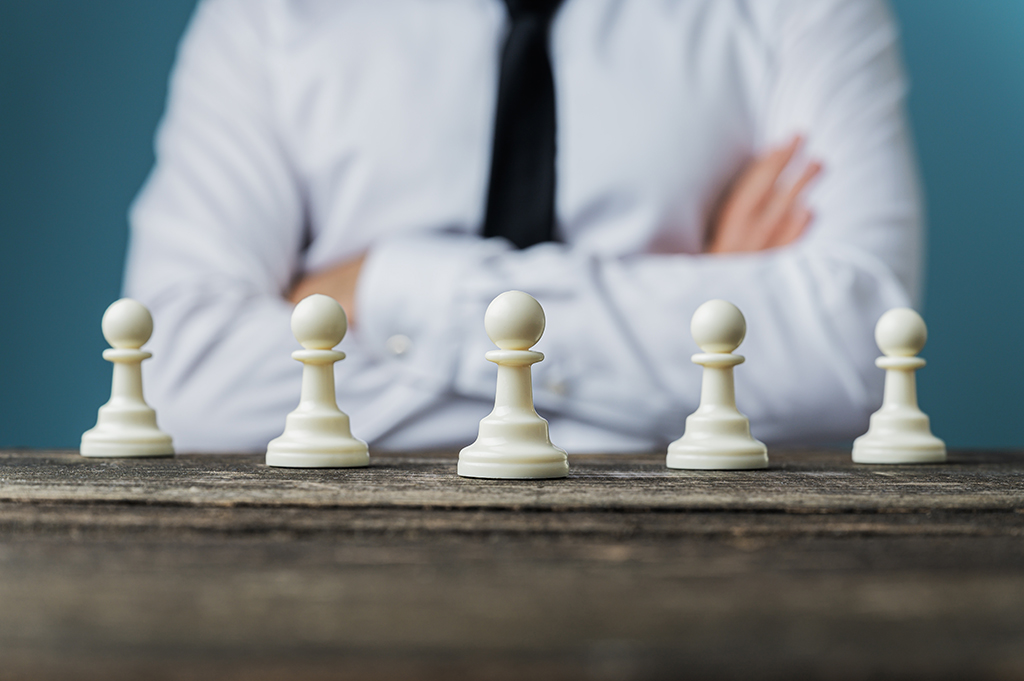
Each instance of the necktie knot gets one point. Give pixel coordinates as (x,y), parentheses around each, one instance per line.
(524,9)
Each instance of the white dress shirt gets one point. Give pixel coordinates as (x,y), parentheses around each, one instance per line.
(301,133)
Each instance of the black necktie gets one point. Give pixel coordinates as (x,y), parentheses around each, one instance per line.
(521,195)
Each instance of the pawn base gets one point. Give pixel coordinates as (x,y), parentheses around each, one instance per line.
(717,439)
(316,436)
(341,453)
(513,461)
(513,471)
(716,461)
(513,446)
(126,430)
(878,450)
(899,435)
(293,460)
(109,444)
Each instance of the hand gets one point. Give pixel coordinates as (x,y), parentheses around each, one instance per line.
(338,282)
(757,213)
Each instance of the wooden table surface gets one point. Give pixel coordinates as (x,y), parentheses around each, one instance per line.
(217,567)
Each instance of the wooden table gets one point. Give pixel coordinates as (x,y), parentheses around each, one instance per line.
(217,567)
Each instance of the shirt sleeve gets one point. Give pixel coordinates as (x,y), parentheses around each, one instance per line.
(617,341)
(216,237)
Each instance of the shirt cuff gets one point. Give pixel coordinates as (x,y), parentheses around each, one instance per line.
(414,305)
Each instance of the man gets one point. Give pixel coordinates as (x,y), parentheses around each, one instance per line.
(345,148)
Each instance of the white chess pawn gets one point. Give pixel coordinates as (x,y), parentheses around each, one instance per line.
(717,435)
(899,431)
(317,434)
(126,426)
(513,440)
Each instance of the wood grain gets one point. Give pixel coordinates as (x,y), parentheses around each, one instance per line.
(797,481)
(218,567)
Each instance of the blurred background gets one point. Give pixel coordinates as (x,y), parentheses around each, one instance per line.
(82,86)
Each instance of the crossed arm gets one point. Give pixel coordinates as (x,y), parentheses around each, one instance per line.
(757,212)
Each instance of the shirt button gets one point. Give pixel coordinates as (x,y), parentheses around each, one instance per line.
(399,344)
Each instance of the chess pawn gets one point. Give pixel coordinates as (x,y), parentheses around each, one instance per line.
(317,434)
(513,440)
(899,432)
(717,435)
(126,426)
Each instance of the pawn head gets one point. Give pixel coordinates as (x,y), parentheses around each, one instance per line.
(514,321)
(319,322)
(127,324)
(718,326)
(901,332)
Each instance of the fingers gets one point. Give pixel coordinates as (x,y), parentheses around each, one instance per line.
(757,184)
(338,282)
(810,172)
(758,213)
(792,227)
(784,204)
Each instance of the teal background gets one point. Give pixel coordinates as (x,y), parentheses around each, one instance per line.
(82,86)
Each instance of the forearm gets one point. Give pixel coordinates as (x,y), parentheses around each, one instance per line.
(617,341)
